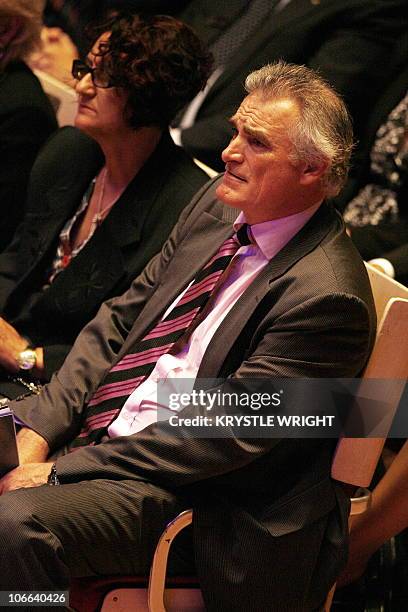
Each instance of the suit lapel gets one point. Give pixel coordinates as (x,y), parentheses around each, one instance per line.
(201,243)
(204,239)
(211,229)
(309,237)
(60,203)
(139,197)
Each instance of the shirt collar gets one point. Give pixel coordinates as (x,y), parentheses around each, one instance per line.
(271,236)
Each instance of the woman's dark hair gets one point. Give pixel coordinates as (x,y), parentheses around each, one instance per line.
(158,60)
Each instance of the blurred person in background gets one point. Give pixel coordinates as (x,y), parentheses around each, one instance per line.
(375,201)
(26,116)
(102,199)
(348,42)
(72,16)
(64,34)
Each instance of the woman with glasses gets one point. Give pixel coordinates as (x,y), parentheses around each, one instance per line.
(26,116)
(102,198)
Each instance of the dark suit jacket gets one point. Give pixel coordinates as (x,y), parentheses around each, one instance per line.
(349,42)
(132,233)
(257,502)
(26,121)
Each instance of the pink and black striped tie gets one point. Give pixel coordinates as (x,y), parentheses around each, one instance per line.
(125,376)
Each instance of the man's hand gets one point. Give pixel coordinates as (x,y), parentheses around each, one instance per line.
(32,448)
(11,344)
(23,476)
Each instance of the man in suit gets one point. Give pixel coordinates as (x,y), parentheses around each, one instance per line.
(294,301)
(348,42)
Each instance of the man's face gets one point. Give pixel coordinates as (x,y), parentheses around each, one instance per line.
(260,179)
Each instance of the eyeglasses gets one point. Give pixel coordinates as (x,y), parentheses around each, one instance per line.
(99,78)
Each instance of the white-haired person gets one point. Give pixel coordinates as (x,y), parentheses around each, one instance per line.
(258,280)
(26,115)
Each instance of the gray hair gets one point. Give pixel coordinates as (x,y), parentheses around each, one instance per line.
(28,37)
(324,132)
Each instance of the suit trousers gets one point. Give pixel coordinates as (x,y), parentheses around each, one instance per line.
(52,533)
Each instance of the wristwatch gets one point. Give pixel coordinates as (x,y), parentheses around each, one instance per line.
(53,479)
(27,359)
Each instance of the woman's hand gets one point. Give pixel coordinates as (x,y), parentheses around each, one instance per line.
(11,345)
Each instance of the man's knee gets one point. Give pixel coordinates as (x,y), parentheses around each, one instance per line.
(12,518)
(18,520)
(32,556)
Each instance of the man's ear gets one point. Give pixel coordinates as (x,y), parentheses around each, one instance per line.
(312,172)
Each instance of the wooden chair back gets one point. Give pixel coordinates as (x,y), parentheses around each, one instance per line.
(355,459)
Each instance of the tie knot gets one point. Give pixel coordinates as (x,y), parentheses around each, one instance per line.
(243,235)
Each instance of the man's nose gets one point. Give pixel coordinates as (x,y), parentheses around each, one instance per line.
(233,152)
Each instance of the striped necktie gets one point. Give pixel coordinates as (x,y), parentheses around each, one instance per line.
(134,367)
